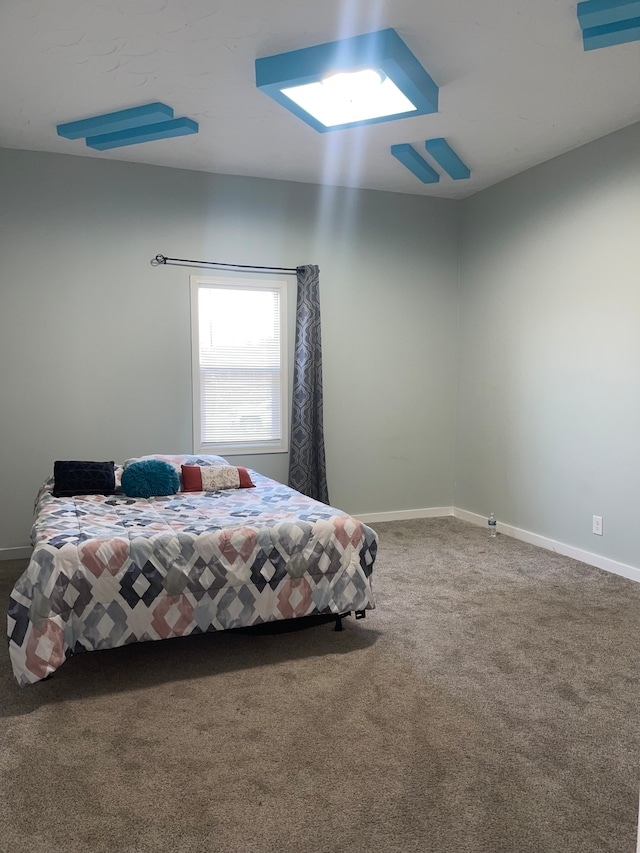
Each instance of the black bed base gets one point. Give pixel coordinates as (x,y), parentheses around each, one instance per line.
(281,626)
(359,614)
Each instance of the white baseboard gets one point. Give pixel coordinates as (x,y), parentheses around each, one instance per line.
(405,514)
(588,557)
(583,556)
(15,553)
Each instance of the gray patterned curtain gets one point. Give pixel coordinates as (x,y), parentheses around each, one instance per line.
(307,471)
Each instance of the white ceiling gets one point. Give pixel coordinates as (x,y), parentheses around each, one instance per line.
(516,86)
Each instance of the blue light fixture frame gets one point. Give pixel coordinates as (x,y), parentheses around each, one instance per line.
(383,50)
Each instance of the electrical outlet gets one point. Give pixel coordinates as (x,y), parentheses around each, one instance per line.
(597,525)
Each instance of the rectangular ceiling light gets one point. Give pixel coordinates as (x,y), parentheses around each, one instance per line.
(360,80)
(410,158)
(350,97)
(146,133)
(114,122)
(444,154)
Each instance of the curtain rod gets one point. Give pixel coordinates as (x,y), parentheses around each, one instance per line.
(161,259)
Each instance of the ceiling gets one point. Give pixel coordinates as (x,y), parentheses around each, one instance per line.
(516,86)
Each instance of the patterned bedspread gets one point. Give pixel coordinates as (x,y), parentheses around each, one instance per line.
(112,570)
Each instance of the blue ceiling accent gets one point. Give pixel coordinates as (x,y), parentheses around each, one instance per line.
(383,50)
(608,22)
(596,13)
(114,122)
(610,34)
(410,158)
(444,154)
(146,133)
(128,127)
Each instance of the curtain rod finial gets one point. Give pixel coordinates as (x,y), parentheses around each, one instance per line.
(159,259)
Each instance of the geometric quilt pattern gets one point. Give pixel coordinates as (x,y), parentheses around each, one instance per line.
(107,570)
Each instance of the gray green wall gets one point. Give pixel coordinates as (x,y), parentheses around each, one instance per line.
(483,354)
(95,343)
(548,424)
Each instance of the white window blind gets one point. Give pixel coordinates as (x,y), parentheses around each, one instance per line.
(239,365)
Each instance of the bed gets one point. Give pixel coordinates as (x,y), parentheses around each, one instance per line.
(111,569)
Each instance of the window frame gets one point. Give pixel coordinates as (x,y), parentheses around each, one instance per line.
(245,282)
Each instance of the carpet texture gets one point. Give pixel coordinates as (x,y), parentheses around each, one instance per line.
(488,705)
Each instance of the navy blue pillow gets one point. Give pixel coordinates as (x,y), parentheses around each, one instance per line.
(150,478)
(73,477)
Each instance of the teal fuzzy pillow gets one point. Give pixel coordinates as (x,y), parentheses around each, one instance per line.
(150,478)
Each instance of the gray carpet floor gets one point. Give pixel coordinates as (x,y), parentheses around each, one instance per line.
(488,705)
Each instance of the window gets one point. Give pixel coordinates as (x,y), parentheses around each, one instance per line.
(238,330)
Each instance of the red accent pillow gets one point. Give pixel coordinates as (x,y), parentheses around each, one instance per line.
(215,477)
(245,479)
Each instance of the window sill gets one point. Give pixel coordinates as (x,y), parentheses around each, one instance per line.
(241,449)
